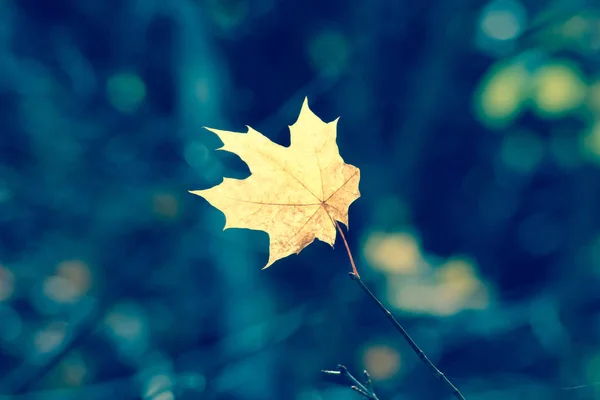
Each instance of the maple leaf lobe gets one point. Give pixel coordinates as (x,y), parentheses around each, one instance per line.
(294,193)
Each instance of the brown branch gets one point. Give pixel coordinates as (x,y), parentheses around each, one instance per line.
(356,277)
(408,339)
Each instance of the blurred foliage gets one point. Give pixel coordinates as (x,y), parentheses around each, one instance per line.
(476,125)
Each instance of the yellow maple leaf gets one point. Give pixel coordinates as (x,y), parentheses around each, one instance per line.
(295,194)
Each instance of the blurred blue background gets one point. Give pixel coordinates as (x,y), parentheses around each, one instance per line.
(476,125)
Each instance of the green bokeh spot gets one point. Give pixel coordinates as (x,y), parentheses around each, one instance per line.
(329,52)
(125,92)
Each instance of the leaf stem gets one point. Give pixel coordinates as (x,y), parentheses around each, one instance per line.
(354,270)
(415,348)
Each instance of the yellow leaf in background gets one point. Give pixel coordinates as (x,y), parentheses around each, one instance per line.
(295,194)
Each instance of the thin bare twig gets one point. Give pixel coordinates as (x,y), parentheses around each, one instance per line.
(354,275)
(408,339)
(365,390)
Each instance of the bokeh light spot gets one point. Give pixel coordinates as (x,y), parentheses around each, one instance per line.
(503,19)
(125,92)
(559,88)
(127,324)
(382,361)
(502,94)
(392,253)
(49,338)
(196,154)
(158,386)
(74,369)
(77,273)
(329,52)
(451,288)
(59,290)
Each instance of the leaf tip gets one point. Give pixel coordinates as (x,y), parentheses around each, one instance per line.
(305,104)
(270,262)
